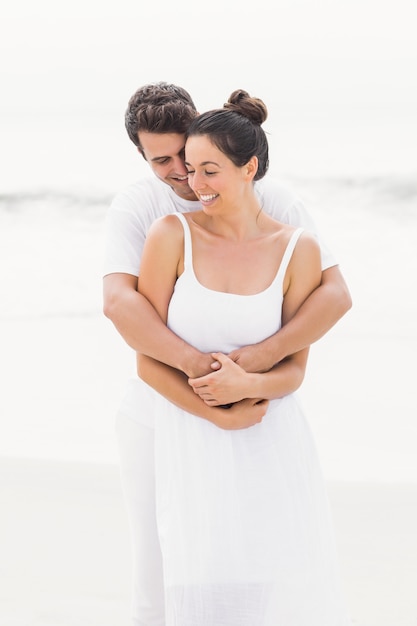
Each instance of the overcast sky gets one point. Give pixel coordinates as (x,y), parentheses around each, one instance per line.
(338,70)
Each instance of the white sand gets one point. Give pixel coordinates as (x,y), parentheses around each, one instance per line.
(65,554)
(64,546)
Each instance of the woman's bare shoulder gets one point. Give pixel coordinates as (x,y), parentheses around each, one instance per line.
(308,243)
(306,255)
(166,230)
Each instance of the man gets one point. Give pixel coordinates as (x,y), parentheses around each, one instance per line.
(157,119)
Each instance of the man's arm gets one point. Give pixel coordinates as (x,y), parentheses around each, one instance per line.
(143,330)
(321,310)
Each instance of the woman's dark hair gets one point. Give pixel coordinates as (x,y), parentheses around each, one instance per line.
(236,130)
(159,108)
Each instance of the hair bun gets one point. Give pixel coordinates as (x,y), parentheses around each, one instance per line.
(252,108)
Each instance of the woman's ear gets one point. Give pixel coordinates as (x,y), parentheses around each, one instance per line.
(251,167)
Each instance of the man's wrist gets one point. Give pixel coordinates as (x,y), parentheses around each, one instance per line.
(271,353)
(192,362)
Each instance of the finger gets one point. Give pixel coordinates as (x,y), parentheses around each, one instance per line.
(196,382)
(202,393)
(234,356)
(201,380)
(210,401)
(220,357)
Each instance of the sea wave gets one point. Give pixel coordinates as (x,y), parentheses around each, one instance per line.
(368,191)
(394,196)
(60,203)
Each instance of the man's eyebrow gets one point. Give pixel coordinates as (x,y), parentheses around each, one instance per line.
(166,156)
(159,158)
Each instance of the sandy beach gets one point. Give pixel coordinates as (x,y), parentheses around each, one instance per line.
(65,558)
(65,552)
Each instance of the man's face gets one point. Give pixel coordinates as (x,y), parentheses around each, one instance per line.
(165,154)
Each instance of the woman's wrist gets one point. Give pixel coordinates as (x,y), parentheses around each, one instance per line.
(253,388)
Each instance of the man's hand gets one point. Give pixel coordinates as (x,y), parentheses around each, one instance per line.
(253,358)
(227,384)
(243,414)
(200,365)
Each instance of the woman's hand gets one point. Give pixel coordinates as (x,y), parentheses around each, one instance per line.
(228,384)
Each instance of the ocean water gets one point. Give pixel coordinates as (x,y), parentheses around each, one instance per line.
(63,367)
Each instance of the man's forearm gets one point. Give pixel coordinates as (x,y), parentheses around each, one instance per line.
(143,330)
(315,318)
(322,309)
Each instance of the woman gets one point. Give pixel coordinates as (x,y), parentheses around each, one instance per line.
(242,512)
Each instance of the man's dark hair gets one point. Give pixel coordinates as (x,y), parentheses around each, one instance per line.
(159,108)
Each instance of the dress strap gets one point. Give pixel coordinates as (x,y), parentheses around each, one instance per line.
(289,251)
(188,251)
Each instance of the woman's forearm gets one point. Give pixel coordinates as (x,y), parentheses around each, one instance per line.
(316,316)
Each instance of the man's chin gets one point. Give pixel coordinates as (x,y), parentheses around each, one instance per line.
(184,191)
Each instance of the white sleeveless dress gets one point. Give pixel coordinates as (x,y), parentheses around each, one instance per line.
(243,517)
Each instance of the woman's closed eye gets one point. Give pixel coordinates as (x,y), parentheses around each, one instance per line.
(206,173)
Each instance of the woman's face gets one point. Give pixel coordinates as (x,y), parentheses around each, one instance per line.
(217,182)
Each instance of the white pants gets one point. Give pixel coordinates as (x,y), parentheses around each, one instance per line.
(136,450)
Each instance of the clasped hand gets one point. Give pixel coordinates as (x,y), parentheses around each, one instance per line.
(227,384)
